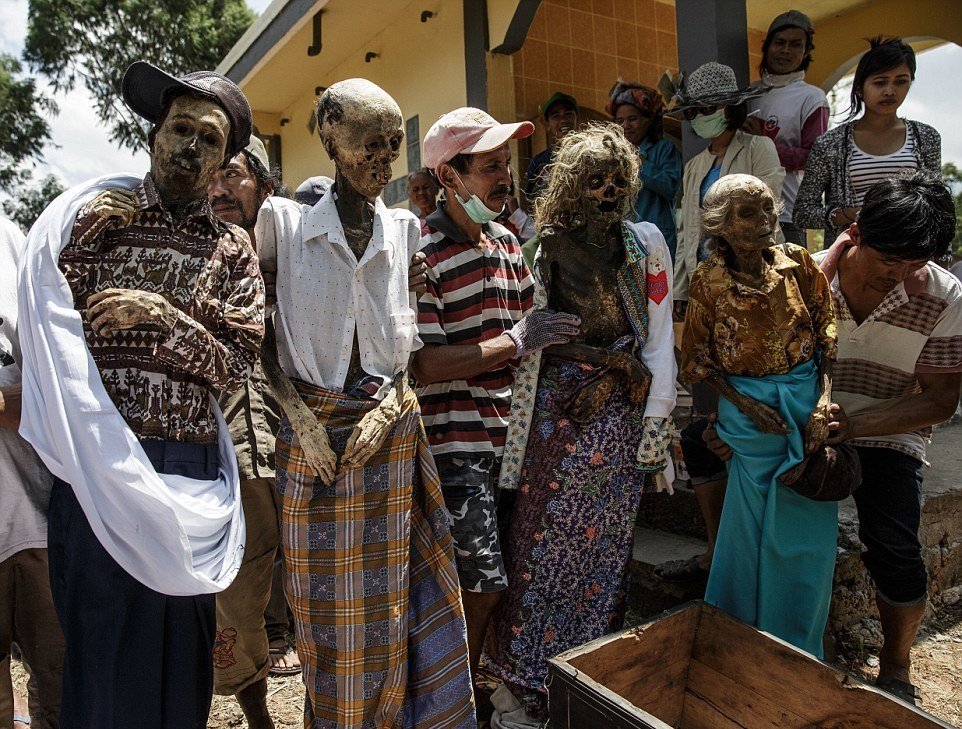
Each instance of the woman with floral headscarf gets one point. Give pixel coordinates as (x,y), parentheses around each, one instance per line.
(640,112)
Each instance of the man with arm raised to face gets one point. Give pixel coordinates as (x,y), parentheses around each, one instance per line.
(475,320)
(370,571)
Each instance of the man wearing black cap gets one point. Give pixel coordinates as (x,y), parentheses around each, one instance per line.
(560,114)
(172,307)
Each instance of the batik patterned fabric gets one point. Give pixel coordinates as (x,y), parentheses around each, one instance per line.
(633,286)
(371,579)
(732,328)
(571,534)
(159,379)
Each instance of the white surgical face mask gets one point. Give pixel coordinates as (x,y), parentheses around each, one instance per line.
(475,208)
(709,126)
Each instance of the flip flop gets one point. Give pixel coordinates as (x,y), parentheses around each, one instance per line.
(901,689)
(25,720)
(681,571)
(280,652)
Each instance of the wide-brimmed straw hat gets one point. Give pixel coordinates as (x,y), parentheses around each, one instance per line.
(713,84)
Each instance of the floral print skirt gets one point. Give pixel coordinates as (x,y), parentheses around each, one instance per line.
(569,542)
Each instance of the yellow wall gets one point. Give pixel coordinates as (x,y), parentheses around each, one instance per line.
(576,46)
(421,65)
(500,14)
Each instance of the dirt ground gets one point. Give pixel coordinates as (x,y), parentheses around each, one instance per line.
(937,660)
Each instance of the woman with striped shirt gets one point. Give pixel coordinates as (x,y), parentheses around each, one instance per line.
(846,161)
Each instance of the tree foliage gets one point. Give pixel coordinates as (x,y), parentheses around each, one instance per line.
(953,178)
(93,41)
(23,129)
(30,201)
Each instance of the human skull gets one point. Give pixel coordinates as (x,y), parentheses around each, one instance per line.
(594,179)
(605,190)
(362,129)
(752,214)
(188,148)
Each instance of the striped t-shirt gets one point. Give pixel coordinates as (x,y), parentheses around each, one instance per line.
(917,329)
(865,169)
(473,294)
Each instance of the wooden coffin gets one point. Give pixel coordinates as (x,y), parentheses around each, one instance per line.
(697,667)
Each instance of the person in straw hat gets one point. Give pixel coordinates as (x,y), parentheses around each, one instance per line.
(714,104)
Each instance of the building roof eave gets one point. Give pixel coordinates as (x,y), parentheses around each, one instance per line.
(266,34)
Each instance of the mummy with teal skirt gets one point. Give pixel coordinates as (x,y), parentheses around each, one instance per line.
(765,332)
(775,551)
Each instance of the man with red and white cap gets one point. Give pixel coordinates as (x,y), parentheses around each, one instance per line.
(475,321)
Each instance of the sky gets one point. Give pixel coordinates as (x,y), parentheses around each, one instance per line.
(81,148)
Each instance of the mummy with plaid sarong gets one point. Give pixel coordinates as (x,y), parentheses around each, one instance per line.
(371,579)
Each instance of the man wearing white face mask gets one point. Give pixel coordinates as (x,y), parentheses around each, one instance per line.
(475,321)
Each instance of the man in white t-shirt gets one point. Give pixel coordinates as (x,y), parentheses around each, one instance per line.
(27,615)
(794,113)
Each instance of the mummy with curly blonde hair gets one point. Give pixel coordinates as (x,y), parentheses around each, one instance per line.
(597,148)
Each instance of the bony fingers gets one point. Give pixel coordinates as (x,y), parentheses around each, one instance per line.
(102,322)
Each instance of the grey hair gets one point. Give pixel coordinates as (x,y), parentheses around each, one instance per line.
(718,202)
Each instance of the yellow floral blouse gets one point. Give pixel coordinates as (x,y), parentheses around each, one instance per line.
(735,329)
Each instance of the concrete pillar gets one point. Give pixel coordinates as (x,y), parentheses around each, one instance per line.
(475,52)
(710,30)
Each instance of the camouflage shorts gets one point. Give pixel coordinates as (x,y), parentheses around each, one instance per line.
(468,486)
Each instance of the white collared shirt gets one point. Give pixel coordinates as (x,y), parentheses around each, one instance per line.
(325,295)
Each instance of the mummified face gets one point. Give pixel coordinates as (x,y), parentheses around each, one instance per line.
(752,217)
(605,190)
(362,130)
(188,148)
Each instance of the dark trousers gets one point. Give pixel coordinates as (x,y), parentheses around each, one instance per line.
(794,234)
(889,505)
(28,618)
(134,658)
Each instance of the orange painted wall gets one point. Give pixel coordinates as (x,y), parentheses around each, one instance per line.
(581,47)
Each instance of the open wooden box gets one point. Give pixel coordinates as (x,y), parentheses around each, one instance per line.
(699,668)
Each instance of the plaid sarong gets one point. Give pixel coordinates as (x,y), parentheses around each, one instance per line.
(371,579)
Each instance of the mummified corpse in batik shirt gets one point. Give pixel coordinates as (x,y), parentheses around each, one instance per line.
(207,269)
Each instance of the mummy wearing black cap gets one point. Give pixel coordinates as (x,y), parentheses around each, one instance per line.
(142,306)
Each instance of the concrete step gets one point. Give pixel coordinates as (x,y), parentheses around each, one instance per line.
(649,595)
(652,547)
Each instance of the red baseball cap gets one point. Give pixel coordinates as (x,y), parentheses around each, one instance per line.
(468,131)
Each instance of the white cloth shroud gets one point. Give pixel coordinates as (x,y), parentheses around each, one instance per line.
(176,535)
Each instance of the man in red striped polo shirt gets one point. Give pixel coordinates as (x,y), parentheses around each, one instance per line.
(475,320)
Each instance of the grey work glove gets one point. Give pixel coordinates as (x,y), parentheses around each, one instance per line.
(541,329)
